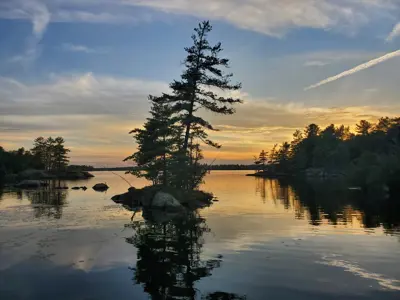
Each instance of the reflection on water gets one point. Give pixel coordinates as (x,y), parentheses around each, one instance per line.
(334,203)
(223,296)
(263,239)
(169,256)
(48,202)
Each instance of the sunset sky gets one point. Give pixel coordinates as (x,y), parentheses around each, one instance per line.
(83,69)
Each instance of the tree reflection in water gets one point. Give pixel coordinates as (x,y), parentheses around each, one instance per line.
(169,255)
(333,202)
(49,201)
(223,296)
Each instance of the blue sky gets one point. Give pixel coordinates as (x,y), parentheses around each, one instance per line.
(83,69)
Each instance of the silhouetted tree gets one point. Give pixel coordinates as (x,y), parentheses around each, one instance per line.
(51,152)
(364,127)
(169,145)
(40,151)
(59,154)
(370,157)
(198,84)
(157,142)
(263,159)
(16,161)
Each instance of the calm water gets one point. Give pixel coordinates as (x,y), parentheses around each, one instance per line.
(261,240)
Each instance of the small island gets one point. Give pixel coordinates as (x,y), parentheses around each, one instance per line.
(169,152)
(47,160)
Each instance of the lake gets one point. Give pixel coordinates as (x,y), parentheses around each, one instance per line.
(262,239)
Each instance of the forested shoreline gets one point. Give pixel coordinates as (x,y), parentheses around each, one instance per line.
(48,159)
(369,156)
(46,154)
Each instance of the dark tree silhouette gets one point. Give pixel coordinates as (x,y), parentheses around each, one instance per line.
(157,142)
(51,152)
(263,159)
(369,158)
(196,89)
(169,145)
(364,127)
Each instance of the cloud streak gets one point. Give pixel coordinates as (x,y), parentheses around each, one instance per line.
(270,17)
(315,63)
(83,49)
(357,69)
(395,33)
(276,18)
(39,15)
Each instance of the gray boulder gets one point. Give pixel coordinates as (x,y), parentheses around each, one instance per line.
(165,200)
(28,184)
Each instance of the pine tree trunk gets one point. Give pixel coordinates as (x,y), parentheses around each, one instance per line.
(186,142)
(165,170)
(187,133)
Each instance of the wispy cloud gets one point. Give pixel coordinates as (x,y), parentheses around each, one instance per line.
(40,16)
(271,17)
(315,63)
(395,33)
(275,18)
(359,68)
(83,49)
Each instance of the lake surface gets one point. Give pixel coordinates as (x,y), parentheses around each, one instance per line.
(263,239)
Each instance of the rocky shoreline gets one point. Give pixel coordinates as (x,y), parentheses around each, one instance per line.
(33,174)
(159,197)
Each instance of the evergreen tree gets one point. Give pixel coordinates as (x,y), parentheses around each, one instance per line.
(157,142)
(39,150)
(364,127)
(370,157)
(59,154)
(51,153)
(283,156)
(196,89)
(263,159)
(169,144)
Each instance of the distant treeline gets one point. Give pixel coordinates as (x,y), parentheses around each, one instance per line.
(370,155)
(47,154)
(233,167)
(81,168)
(212,167)
(115,169)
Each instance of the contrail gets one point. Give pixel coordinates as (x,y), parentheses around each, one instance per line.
(359,68)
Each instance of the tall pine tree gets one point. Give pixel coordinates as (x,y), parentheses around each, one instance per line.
(202,77)
(60,158)
(169,144)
